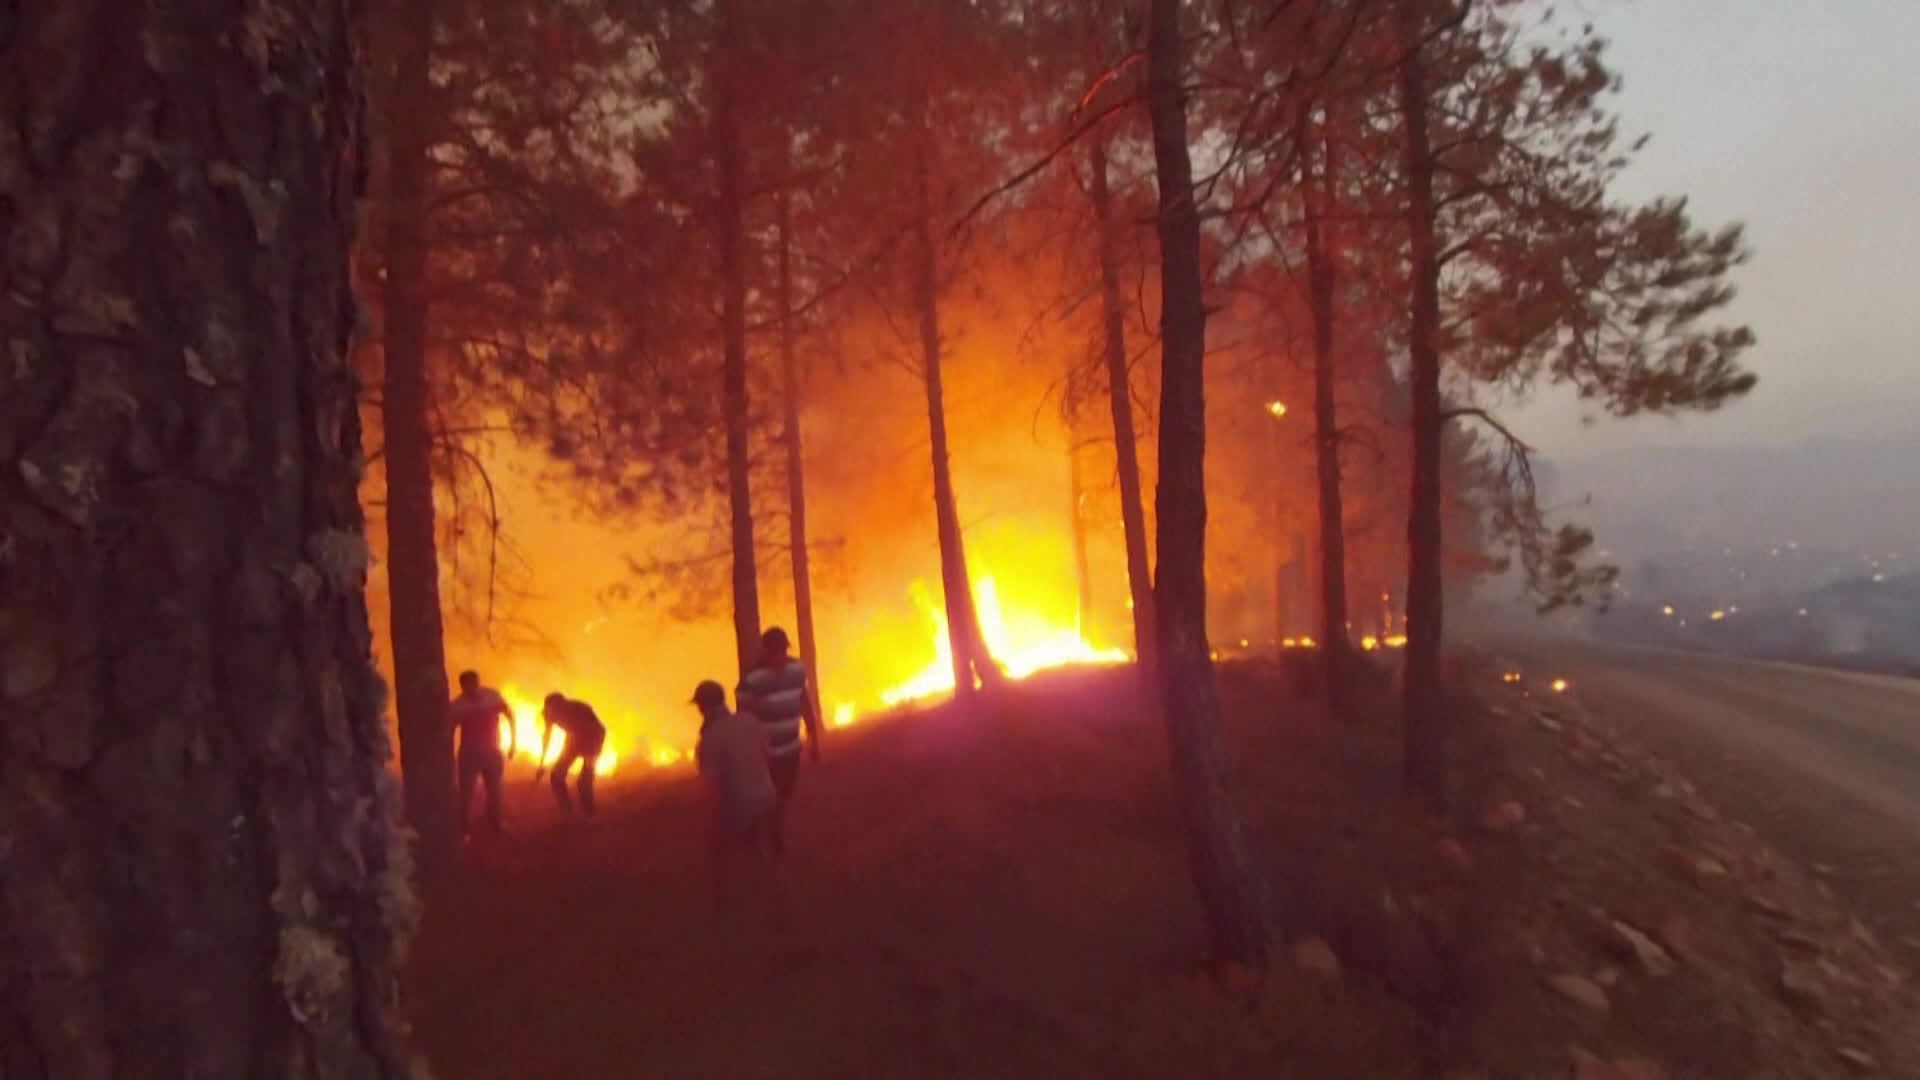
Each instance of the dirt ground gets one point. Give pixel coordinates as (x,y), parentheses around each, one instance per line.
(1005,895)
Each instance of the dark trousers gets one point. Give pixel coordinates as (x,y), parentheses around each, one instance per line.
(755,838)
(589,758)
(481,764)
(785,770)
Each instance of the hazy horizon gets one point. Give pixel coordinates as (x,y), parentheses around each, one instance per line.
(1797,122)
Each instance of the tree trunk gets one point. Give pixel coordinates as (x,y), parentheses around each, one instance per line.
(1424,710)
(1082,570)
(730,225)
(413,564)
(796,477)
(968,646)
(1222,866)
(1113,311)
(1317,196)
(202,871)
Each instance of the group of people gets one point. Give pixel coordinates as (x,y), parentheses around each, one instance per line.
(749,755)
(476,715)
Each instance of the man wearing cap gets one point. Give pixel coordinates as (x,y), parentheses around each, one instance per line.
(774,691)
(732,757)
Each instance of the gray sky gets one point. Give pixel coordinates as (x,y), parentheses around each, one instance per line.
(1802,119)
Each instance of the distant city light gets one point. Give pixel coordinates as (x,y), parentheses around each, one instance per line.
(1559,686)
(1667,610)
(1276,409)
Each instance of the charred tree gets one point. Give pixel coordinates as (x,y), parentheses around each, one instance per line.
(1077,519)
(1317,199)
(413,564)
(1113,314)
(791,390)
(204,871)
(1222,865)
(1424,709)
(729,213)
(971,659)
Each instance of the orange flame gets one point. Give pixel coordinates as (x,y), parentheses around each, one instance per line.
(1022,645)
(525,735)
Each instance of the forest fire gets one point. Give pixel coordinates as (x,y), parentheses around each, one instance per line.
(525,736)
(1027,643)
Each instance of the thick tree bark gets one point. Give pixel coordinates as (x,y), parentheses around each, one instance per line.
(1317,194)
(730,228)
(796,477)
(971,658)
(1424,710)
(1222,865)
(413,564)
(202,872)
(1113,313)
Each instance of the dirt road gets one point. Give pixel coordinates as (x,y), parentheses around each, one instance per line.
(1825,764)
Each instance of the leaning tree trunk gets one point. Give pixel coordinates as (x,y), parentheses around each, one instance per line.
(968,645)
(1222,865)
(413,564)
(1424,710)
(201,868)
(730,226)
(1113,312)
(1317,195)
(796,477)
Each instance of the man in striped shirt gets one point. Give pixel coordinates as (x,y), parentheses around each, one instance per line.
(775,692)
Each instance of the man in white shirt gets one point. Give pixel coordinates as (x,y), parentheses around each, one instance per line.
(732,757)
(476,716)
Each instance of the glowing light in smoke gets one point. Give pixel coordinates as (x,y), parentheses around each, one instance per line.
(1559,686)
(1276,409)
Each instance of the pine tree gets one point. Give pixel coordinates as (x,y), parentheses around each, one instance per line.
(205,875)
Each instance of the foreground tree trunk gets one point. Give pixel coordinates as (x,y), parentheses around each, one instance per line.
(201,868)
(1126,443)
(968,646)
(1424,711)
(413,564)
(796,477)
(730,229)
(1321,271)
(1222,866)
